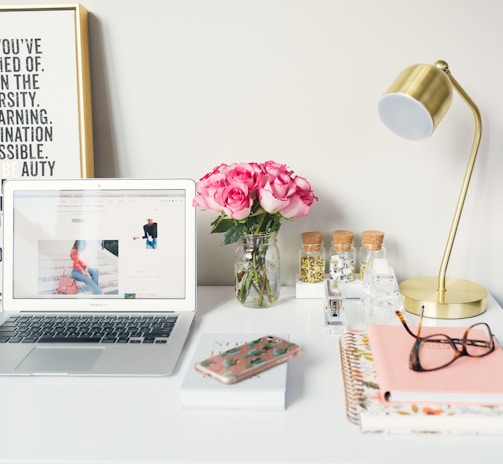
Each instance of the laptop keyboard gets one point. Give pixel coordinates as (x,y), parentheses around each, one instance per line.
(87,329)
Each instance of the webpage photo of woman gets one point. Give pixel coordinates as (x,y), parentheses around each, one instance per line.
(149,234)
(81,270)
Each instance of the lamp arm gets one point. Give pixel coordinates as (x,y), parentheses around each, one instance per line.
(466,180)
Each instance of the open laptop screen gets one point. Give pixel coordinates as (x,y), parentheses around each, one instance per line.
(117,244)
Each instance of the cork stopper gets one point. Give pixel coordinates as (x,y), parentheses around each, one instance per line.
(372,240)
(311,241)
(342,240)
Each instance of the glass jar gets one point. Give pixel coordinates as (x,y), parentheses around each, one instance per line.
(372,247)
(312,258)
(342,256)
(257,270)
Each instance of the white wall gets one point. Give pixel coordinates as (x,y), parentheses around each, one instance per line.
(181,86)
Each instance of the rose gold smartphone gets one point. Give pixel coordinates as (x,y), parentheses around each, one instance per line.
(248,359)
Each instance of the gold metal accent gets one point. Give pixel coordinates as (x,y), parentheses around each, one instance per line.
(84,91)
(462,299)
(428,85)
(442,297)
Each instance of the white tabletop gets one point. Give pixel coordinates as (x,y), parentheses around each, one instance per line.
(140,420)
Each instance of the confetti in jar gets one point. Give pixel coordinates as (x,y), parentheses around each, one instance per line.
(312,258)
(342,256)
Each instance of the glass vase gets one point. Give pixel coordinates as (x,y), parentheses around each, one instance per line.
(256,270)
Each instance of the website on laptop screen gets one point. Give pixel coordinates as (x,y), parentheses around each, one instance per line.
(112,243)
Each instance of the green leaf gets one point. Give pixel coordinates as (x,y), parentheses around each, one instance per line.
(222,224)
(206,363)
(254,353)
(254,362)
(229,362)
(232,234)
(230,352)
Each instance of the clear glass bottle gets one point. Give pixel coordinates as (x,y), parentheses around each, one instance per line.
(367,298)
(342,256)
(372,247)
(386,298)
(257,270)
(312,258)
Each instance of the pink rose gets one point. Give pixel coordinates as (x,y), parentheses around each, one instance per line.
(235,199)
(273,169)
(218,169)
(233,190)
(301,201)
(207,189)
(274,195)
(243,172)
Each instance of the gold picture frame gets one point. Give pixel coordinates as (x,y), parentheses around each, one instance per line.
(45,93)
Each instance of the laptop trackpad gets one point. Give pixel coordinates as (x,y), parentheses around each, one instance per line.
(61,360)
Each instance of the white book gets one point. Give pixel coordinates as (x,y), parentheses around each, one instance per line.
(266,390)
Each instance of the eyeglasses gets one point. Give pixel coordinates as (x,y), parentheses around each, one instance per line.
(439,350)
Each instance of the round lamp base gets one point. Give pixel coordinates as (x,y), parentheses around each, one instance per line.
(462,298)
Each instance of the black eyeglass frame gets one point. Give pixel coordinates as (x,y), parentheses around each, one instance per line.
(414,362)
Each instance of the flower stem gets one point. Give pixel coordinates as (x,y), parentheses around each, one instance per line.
(253,279)
(259,225)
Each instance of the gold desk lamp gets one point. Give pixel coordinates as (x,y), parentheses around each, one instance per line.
(412,107)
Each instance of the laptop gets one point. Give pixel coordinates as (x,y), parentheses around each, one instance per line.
(99,276)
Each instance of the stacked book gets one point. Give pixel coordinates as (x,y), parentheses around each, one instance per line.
(265,391)
(384,395)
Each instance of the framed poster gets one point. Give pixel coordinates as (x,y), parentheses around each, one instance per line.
(45,94)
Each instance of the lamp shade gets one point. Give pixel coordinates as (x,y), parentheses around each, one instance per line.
(416,101)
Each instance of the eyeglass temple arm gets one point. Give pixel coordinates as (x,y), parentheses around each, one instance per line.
(402,320)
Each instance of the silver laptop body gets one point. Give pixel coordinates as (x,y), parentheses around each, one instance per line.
(128,245)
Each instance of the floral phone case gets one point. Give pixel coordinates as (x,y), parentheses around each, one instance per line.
(248,359)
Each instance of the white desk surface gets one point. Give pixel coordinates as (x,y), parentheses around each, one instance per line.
(140,420)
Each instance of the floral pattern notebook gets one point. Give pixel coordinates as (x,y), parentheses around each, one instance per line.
(366,408)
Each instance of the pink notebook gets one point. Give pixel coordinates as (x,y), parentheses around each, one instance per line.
(467,380)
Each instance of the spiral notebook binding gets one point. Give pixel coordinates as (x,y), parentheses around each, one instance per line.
(352,376)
